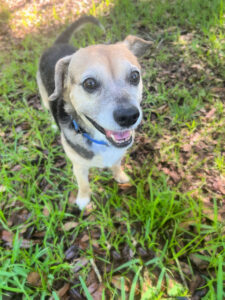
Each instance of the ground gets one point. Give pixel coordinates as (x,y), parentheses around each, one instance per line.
(160,237)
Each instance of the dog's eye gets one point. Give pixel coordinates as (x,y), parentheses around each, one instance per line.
(134,78)
(90,85)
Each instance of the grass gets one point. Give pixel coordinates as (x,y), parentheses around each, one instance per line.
(153,239)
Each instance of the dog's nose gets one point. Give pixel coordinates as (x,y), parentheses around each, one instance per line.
(126,117)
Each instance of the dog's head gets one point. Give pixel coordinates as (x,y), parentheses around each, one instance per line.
(103,84)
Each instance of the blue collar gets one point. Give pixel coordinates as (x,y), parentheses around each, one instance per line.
(77,129)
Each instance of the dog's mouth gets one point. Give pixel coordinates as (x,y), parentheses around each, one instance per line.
(118,139)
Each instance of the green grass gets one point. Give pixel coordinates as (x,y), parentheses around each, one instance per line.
(160,214)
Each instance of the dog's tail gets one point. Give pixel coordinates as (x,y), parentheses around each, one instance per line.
(65,36)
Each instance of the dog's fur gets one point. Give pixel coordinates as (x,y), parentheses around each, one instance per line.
(61,76)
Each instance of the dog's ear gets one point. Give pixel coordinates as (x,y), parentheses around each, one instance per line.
(61,69)
(137,45)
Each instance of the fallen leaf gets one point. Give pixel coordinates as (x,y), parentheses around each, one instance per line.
(34,278)
(219,185)
(208,211)
(210,113)
(172,174)
(93,287)
(70,225)
(80,263)
(7,236)
(197,67)
(124,186)
(46,211)
(97,295)
(186,148)
(116,281)
(72,197)
(71,252)
(85,238)
(39,234)
(61,292)
(218,89)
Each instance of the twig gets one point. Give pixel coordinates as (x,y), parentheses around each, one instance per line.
(96,270)
(181,273)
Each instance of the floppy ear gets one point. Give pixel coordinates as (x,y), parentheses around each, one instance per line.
(137,45)
(61,68)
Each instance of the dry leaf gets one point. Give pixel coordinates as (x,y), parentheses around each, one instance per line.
(218,89)
(46,211)
(71,252)
(80,263)
(85,238)
(93,287)
(208,211)
(72,197)
(210,113)
(116,281)
(16,168)
(61,292)
(34,278)
(70,225)
(7,236)
(219,185)
(197,67)
(39,234)
(124,186)
(186,148)
(97,295)
(172,174)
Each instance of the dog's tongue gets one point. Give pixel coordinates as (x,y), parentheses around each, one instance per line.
(118,135)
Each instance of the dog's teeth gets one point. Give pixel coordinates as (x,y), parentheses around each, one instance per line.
(119,141)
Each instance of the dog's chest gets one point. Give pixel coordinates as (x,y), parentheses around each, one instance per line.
(106,156)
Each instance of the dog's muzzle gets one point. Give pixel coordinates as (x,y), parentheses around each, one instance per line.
(118,139)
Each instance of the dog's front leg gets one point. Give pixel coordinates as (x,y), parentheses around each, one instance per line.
(84,191)
(118,173)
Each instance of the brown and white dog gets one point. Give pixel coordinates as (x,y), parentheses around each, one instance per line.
(94,95)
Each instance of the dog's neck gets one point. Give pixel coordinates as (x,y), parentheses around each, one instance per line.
(79,129)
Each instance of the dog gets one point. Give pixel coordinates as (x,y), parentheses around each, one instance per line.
(94,94)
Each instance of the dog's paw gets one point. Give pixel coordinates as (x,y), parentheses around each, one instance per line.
(82,202)
(121,177)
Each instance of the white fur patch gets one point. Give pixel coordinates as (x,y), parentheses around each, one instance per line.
(42,91)
(82,202)
(107,156)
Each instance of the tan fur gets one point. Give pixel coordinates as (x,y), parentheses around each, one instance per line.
(109,56)
(118,173)
(110,65)
(43,92)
